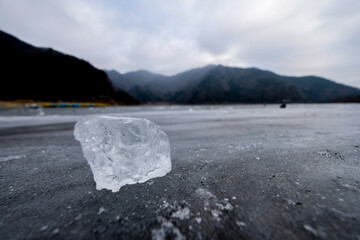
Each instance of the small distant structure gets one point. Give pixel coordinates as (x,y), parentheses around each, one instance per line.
(284,101)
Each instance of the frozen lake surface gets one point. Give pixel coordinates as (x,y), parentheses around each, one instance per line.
(239,172)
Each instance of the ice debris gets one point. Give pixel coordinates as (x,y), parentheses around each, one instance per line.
(198,220)
(217,208)
(123,150)
(43,228)
(101,210)
(310,229)
(241,224)
(166,231)
(182,213)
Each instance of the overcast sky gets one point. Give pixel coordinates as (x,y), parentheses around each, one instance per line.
(291,37)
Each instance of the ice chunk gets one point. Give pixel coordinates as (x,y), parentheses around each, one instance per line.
(123,150)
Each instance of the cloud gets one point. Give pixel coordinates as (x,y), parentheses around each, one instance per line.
(295,38)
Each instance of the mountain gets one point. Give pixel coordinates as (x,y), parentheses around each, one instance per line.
(142,85)
(43,74)
(236,85)
(316,89)
(220,84)
(149,87)
(251,85)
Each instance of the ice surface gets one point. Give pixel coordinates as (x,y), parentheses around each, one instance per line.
(123,150)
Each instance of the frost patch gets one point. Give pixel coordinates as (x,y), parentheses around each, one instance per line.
(216,214)
(216,207)
(12,157)
(240,224)
(176,210)
(205,195)
(182,213)
(166,231)
(315,232)
(328,153)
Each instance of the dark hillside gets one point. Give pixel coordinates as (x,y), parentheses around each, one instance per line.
(29,72)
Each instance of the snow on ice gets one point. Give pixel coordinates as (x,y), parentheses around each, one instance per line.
(123,150)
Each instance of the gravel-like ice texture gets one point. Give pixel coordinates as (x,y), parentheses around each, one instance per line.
(123,150)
